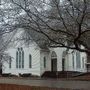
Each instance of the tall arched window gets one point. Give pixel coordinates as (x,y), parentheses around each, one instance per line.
(44,62)
(83,63)
(30,61)
(10,60)
(78,62)
(20,58)
(17,59)
(73,60)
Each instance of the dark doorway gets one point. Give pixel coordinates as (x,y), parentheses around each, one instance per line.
(54,64)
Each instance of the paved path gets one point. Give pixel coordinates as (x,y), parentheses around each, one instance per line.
(49,83)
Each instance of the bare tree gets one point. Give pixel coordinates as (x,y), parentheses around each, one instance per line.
(66,21)
(6,26)
(61,23)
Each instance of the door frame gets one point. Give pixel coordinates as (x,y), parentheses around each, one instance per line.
(53,61)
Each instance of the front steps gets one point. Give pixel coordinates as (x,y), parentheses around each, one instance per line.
(60,74)
(84,75)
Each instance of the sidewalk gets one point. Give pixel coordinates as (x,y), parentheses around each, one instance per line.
(49,83)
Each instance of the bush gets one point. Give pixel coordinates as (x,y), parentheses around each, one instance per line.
(25,75)
(6,75)
(12,75)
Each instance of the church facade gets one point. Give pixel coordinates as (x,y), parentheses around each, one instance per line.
(35,60)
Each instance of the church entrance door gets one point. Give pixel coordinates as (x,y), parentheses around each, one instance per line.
(54,65)
(53,61)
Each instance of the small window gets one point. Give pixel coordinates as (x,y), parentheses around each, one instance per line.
(83,64)
(18,49)
(22,59)
(21,48)
(78,62)
(44,62)
(73,60)
(10,62)
(17,59)
(30,61)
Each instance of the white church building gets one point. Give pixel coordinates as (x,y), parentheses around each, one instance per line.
(36,60)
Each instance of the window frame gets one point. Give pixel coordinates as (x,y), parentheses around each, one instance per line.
(30,61)
(10,63)
(78,60)
(44,58)
(20,58)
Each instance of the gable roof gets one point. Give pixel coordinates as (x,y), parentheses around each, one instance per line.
(23,37)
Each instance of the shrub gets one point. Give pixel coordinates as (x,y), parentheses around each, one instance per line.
(6,74)
(25,75)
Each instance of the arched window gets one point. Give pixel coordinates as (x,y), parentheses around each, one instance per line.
(30,61)
(17,59)
(20,58)
(10,60)
(78,62)
(44,62)
(83,64)
(73,60)
(63,60)
(53,55)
